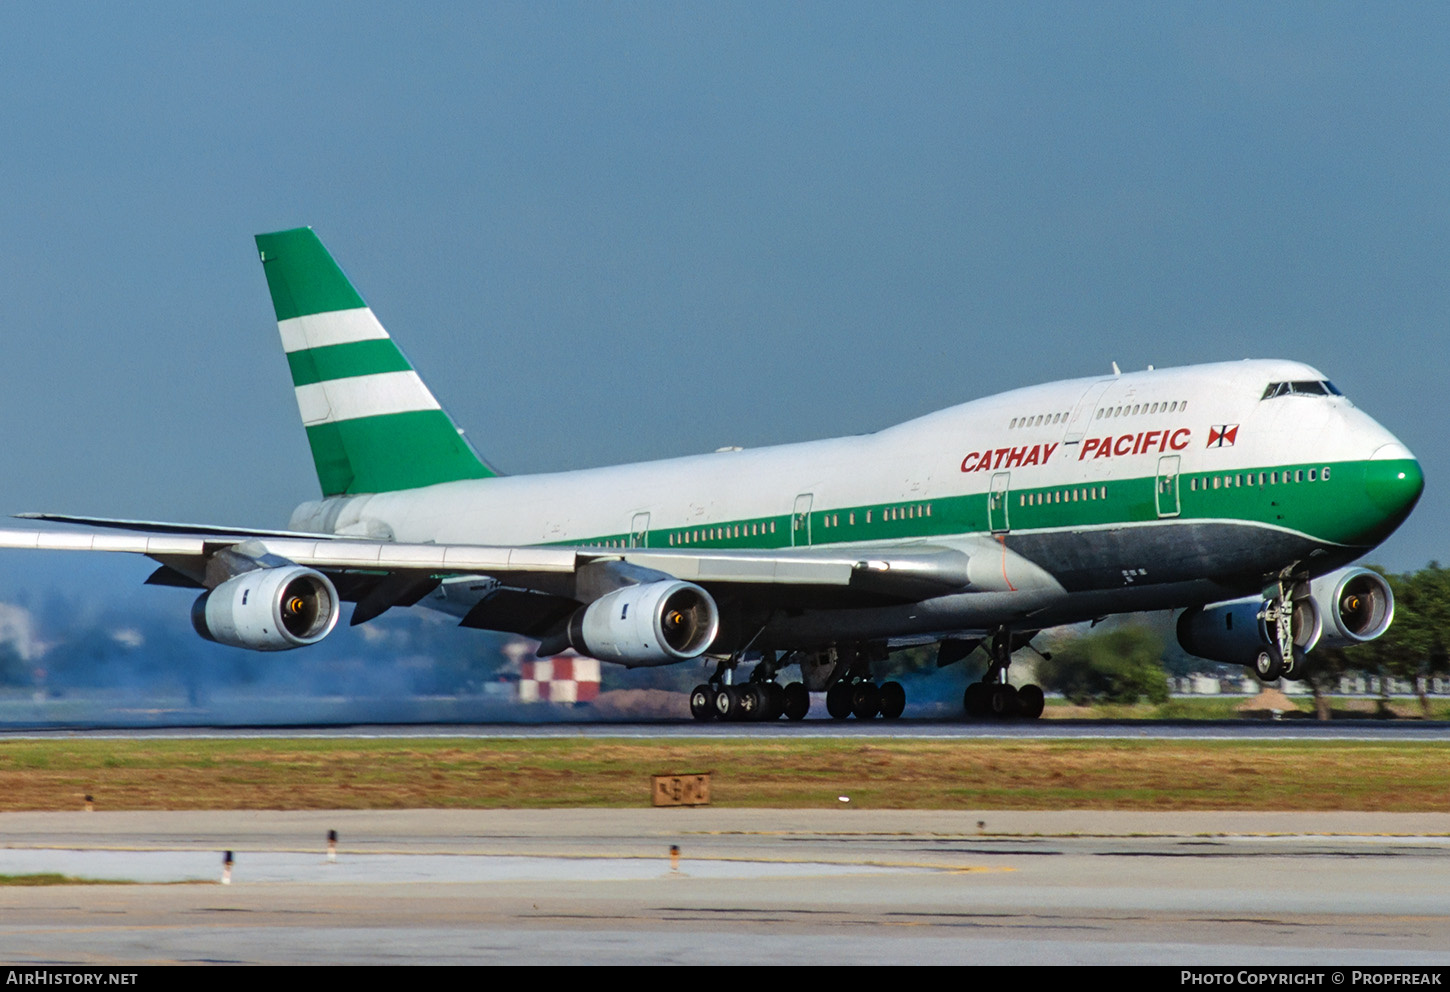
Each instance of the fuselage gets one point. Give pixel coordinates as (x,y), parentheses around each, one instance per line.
(1145,490)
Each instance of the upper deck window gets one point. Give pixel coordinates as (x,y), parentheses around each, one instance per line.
(1301,387)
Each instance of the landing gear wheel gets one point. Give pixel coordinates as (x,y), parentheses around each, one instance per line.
(702,702)
(975,699)
(892,701)
(1295,664)
(727,703)
(752,702)
(1003,700)
(1030,701)
(838,700)
(775,696)
(865,698)
(1269,666)
(797,701)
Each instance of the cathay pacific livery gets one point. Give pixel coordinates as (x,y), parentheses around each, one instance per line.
(1238,492)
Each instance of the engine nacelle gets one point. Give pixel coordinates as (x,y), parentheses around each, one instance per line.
(1355,605)
(654,623)
(268,609)
(1346,607)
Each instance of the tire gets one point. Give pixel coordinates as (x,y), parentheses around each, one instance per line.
(702,702)
(775,700)
(797,701)
(1295,664)
(1030,702)
(893,700)
(1003,700)
(752,701)
(838,700)
(974,700)
(1269,665)
(727,703)
(865,700)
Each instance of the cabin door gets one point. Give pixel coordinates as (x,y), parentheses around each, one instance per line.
(1168,486)
(1082,415)
(800,521)
(639,531)
(997,503)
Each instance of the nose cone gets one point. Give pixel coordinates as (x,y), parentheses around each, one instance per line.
(1393,481)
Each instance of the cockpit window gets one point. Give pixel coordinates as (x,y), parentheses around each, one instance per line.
(1302,387)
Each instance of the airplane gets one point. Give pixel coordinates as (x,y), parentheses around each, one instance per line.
(1237,492)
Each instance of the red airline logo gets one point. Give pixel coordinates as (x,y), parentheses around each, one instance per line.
(1222,435)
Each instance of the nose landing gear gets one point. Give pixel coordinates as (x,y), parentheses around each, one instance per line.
(1282,657)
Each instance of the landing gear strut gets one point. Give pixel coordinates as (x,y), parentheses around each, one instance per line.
(994,695)
(1281,657)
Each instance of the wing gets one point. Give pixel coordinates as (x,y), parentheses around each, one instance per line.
(894,574)
(539,590)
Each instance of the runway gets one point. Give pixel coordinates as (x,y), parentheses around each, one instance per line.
(839,886)
(908,729)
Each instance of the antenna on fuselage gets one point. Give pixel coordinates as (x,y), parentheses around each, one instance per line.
(1116,370)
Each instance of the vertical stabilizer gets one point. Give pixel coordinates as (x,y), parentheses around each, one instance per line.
(373,425)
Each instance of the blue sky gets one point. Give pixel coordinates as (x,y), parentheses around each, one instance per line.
(613,232)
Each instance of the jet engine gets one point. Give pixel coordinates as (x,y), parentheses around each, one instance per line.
(654,623)
(1346,607)
(1355,605)
(268,609)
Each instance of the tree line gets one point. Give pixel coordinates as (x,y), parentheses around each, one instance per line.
(1131,661)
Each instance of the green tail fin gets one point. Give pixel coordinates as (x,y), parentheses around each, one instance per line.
(373,425)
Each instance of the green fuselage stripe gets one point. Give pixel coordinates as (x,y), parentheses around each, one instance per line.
(1358,504)
(391,452)
(343,361)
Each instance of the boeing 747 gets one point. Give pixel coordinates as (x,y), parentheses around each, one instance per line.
(1240,493)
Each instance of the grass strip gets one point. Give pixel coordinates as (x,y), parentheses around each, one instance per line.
(468,773)
(56,878)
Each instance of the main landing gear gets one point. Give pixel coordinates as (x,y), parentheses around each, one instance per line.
(855,693)
(761,698)
(994,696)
(843,672)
